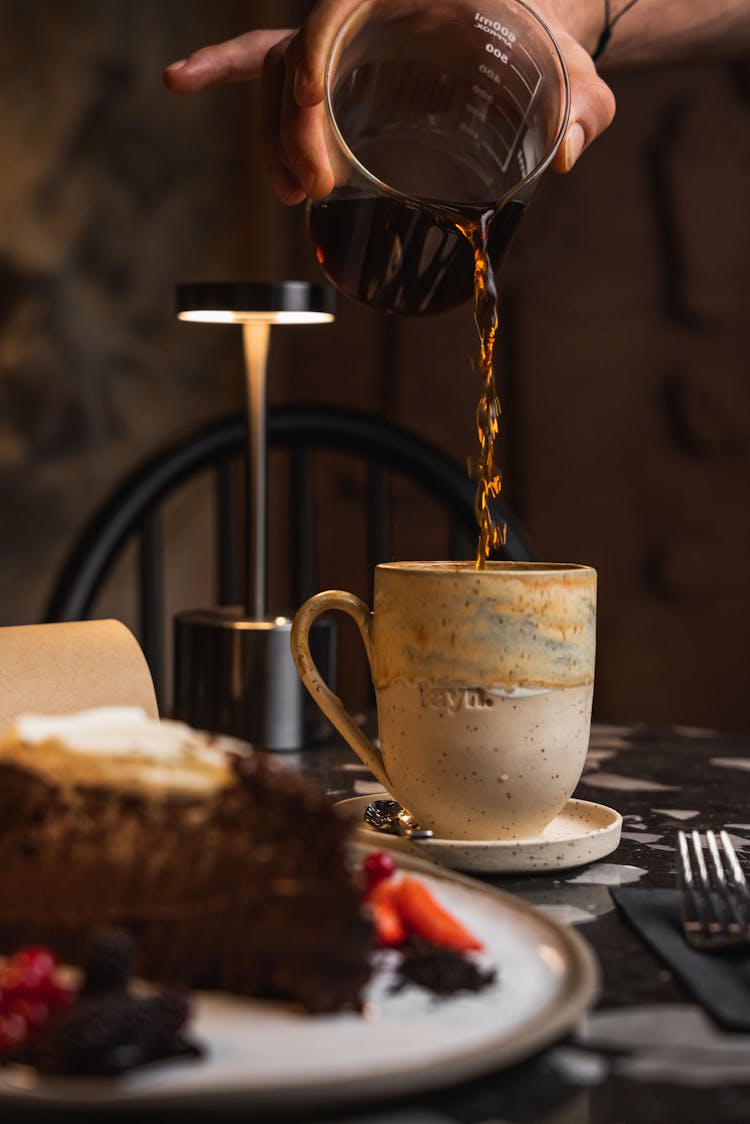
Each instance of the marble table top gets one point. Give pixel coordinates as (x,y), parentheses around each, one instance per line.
(646,1052)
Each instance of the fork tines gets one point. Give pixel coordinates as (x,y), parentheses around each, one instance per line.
(714,894)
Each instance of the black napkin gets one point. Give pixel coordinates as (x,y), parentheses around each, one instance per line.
(719,980)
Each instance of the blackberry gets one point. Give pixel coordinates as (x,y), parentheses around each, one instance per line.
(109,962)
(109,1032)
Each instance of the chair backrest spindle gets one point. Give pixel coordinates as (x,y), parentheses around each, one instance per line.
(303,523)
(379,491)
(227,538)
(151,596)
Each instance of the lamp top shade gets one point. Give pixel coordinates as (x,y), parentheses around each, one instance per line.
(241,302)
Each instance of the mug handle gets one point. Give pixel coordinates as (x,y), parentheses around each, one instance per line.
(331,704)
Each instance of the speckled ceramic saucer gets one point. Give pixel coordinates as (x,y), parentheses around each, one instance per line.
(581,833)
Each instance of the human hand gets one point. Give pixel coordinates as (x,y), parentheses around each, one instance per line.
(291,65)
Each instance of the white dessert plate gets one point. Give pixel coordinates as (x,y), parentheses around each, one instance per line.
(582,832)
(269,1056)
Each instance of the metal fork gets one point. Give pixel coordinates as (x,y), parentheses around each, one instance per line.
(714,895)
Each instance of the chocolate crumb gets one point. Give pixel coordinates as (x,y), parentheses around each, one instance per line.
(443,971)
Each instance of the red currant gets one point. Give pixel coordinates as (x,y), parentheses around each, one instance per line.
(35,962)
(33,1013)
(29,993)
(55,994)
(13,1030)
(377,867)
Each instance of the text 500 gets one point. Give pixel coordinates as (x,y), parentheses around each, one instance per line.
(493,50)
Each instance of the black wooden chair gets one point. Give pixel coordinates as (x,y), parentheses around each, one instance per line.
(133,513)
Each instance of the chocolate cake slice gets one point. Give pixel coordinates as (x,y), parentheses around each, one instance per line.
(228,868)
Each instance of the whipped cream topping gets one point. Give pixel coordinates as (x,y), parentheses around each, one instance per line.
(116,729)
(154,752)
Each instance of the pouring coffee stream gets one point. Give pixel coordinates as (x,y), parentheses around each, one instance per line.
(483,469)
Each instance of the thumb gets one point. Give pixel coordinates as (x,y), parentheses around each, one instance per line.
(592,107)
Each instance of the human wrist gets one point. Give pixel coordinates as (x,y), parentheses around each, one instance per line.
(583,20)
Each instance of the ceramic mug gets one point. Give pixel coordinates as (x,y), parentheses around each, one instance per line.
(483,682)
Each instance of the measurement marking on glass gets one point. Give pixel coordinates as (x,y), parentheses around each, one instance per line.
(536,68)
(478,116)
(502,113)
(525,110)
(532,94)
(520,75)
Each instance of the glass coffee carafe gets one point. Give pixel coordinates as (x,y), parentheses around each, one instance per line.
(440,113)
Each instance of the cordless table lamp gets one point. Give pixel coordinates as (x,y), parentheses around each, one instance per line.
(234,671)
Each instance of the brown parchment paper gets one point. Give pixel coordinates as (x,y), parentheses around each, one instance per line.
(73,665)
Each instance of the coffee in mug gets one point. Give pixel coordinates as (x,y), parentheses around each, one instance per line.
(484,682)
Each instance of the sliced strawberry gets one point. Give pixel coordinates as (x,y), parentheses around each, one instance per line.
(423,915)
(389,927)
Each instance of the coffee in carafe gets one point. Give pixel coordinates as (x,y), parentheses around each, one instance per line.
(398,257)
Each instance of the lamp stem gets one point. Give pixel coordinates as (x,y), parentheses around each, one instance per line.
(255,336)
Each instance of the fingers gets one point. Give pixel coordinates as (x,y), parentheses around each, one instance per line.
(235,60)
(312,46)
(592,105)
(292,138)
(294,124)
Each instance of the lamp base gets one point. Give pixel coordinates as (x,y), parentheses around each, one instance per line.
(235,675)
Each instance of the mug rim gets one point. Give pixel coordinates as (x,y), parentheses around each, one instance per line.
(492,567)
(527,181)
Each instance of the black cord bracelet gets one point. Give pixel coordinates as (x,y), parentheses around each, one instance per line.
(609,23)
(605,36)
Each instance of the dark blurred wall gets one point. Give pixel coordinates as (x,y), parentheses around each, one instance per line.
(111,191)
(622,356)
(630,295)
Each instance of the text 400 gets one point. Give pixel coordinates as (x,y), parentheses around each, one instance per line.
(488,72)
